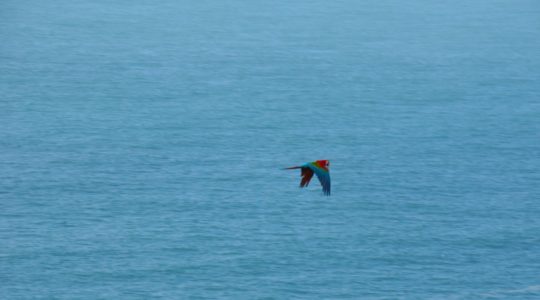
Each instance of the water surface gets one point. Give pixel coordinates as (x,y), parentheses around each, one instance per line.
(141,145)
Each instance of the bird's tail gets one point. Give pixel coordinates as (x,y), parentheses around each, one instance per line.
(290,168)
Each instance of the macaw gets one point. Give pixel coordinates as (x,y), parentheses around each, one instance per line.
(320,168)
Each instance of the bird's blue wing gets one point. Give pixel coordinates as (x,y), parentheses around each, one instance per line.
(324,178)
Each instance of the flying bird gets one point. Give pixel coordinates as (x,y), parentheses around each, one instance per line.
(320,168)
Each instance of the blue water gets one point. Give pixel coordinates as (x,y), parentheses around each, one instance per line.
(141,147)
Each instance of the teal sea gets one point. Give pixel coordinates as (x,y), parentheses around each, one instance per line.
(142,146)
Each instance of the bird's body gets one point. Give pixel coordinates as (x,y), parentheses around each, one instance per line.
(319,168)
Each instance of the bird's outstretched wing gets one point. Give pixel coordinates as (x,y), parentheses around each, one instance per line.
(307,174)
(324,177)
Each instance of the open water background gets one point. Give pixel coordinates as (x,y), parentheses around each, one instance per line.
(141,144)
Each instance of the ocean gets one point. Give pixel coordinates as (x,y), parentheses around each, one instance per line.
(142,147)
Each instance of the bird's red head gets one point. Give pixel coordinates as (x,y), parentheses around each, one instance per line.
(325,164)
